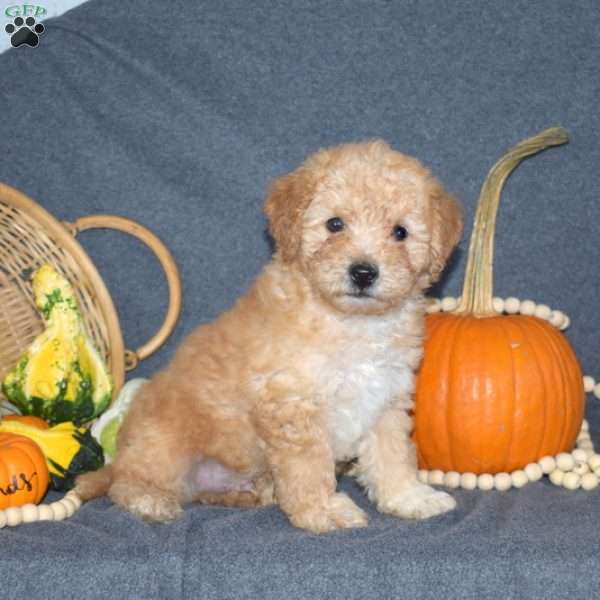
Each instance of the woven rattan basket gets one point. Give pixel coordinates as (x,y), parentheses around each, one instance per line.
(30,237)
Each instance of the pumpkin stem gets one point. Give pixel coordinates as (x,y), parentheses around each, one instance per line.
(477,295)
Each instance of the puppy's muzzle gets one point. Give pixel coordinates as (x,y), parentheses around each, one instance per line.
(363,275)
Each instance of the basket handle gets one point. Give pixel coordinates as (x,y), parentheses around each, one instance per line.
(132,357)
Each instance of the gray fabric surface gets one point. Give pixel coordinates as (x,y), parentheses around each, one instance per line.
(177,115)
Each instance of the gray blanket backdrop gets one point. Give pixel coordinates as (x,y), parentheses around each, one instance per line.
(177,114)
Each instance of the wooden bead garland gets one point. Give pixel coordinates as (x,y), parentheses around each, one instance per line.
(574,470)
(513,306)
(30,513)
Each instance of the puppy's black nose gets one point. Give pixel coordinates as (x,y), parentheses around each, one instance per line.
(363,274)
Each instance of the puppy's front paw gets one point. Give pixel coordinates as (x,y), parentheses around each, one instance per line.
(418,502)
(339,513)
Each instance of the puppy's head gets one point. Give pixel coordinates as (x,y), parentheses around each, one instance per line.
(368,226)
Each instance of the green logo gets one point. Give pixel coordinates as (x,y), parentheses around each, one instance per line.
(25,10)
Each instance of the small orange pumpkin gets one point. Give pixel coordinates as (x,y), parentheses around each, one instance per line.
(495,392)
(24,474)
(28,420)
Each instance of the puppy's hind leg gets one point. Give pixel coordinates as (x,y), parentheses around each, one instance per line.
(154,453)
(141,499)
(147,478)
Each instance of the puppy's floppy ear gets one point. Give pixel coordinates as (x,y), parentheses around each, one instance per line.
(287,199)
(446,227)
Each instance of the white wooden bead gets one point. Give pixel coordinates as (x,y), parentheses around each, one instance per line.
(547,464)
(594,461)
(585,444)
(597,390)
(436,477)
(534,472)
(73,497)
(502,481)
(585,426)
(589,481)
(589,452)
(581,468)
(468,481)
(30,513)
(433,305)
(69,506)
(542,311)
(45,513)
(485,482)
(58,510)
(498,304)
(14,516)
(2,519)
(452,479)
(557,476)
(566,323)
(519,478)
(449,304)
(557,318)
(579,455)
(564,461)
(422,476)
(588,384)
(512,305)
(527,307)
(571,481)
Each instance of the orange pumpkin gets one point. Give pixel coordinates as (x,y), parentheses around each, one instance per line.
(495,392)
(28,420)
(24,474)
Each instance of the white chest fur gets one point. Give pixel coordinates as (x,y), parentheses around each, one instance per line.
(368,365)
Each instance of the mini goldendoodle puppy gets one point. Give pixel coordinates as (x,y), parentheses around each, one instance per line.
(313,366)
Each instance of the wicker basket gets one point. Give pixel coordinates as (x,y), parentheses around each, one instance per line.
(30,237)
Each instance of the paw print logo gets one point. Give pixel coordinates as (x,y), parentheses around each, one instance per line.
(24,31)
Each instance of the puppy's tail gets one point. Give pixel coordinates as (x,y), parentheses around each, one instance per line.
(94,484)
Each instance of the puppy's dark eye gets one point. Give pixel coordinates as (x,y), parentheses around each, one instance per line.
(334,224)
(399,233)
